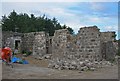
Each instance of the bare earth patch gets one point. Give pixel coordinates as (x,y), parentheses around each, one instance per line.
(37,69)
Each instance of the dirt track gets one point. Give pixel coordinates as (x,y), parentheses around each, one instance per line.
(40,71)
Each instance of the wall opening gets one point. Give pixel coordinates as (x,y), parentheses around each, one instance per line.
(47,50)
(50,41)
(17,44)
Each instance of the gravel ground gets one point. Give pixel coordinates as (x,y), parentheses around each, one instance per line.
(38,70)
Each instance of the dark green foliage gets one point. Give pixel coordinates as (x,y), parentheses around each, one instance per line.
(27,53)
(70,30)
(114,36)
(23,51)
(24,23)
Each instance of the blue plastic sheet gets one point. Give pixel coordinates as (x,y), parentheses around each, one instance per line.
(15,60)
(25,62)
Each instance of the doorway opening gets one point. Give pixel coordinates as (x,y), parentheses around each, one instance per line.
(17,44)
(47,50)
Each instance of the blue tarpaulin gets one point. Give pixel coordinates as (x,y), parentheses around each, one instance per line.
(17,60)
(25,62)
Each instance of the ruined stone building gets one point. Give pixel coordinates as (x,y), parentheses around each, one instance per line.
(88,43)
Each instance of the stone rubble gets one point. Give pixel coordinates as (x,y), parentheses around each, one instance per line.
(75,65)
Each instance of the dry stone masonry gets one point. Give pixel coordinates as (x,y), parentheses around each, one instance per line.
(88,42)
(39,46)
(88,50)
(81,52)
(11,39)
(27,41)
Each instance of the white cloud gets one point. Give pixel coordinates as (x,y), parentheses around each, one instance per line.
(94,19)
(96,6)
(30,7)
(111,28)
(55,11)
(75,25)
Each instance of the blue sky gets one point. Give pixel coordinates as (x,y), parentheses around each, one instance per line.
(73,14)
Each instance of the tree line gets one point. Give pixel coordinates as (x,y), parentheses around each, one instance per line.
(24,23)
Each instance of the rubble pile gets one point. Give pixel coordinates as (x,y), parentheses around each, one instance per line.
(46,56)
(77,64)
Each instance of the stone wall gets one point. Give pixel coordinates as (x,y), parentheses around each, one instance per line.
(6,35)
(27,41)
(110,51)
(81,52)
(68,52)
(39,45)
(59,43)
(9,38)
(37,42)
(88,41)
(107,36)
(108,45)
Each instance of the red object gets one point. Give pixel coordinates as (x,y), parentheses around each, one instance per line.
(7,48)
(6,54)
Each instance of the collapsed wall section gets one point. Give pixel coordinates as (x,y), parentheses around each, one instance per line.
(81,52)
